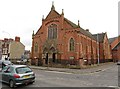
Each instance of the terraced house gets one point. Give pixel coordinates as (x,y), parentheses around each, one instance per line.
(4,45)
(58,40)
(115,48)
(104,50)
(11,49)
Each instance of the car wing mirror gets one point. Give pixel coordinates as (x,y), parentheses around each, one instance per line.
(6,71)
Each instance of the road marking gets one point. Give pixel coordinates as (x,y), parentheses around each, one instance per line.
(114,87)
(59,72)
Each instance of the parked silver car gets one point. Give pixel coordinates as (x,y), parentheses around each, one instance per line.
(118,63)
(17,74)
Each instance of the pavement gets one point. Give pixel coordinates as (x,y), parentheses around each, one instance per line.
(90,70)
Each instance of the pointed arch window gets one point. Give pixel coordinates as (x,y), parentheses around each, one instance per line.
(52,31)
(72,44)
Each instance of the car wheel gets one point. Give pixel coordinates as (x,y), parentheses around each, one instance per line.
(11,83)
(32,82)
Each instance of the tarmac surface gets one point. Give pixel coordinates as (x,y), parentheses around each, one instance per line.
(92,69)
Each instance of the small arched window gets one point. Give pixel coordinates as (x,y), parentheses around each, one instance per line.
(72,44)
(36,47)
(52,31)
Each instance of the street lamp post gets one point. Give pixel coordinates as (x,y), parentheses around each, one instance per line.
(98,48)
(48,64)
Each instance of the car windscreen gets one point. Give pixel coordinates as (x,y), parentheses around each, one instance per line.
(22,70)
(7,62)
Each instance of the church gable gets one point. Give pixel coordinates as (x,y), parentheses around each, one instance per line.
(67,24)
(38,32)
(52,14)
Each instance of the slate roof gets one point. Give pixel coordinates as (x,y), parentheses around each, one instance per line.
(116,47)
(86,33)
(111,39)
(71,23)
(100,37)
(82,31)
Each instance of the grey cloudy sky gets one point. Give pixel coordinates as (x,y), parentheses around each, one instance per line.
(21,17)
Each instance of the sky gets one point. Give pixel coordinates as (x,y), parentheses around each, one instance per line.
(21,17)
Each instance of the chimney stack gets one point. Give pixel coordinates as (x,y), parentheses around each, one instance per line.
(17,39)
(87,30)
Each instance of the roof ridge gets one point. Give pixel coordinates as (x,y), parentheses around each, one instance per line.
(87,33)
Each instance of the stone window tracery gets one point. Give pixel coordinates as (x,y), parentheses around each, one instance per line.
(52,31)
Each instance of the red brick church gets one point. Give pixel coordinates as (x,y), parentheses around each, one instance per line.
(58,39)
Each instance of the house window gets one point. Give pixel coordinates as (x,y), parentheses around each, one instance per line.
(52,31)
(72,58)
(72,44)
(36,47)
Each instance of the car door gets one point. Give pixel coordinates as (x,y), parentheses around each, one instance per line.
(3,76)
(6,75)
(0,71)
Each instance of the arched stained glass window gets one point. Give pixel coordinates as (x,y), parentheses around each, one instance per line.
(72,44)
(52,31)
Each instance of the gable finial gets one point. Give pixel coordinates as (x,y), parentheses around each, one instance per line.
(33,34)
(43,17)
(62,11)
(78,23)
(52,8)
(52,3)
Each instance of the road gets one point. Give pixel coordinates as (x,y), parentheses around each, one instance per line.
(105,78)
